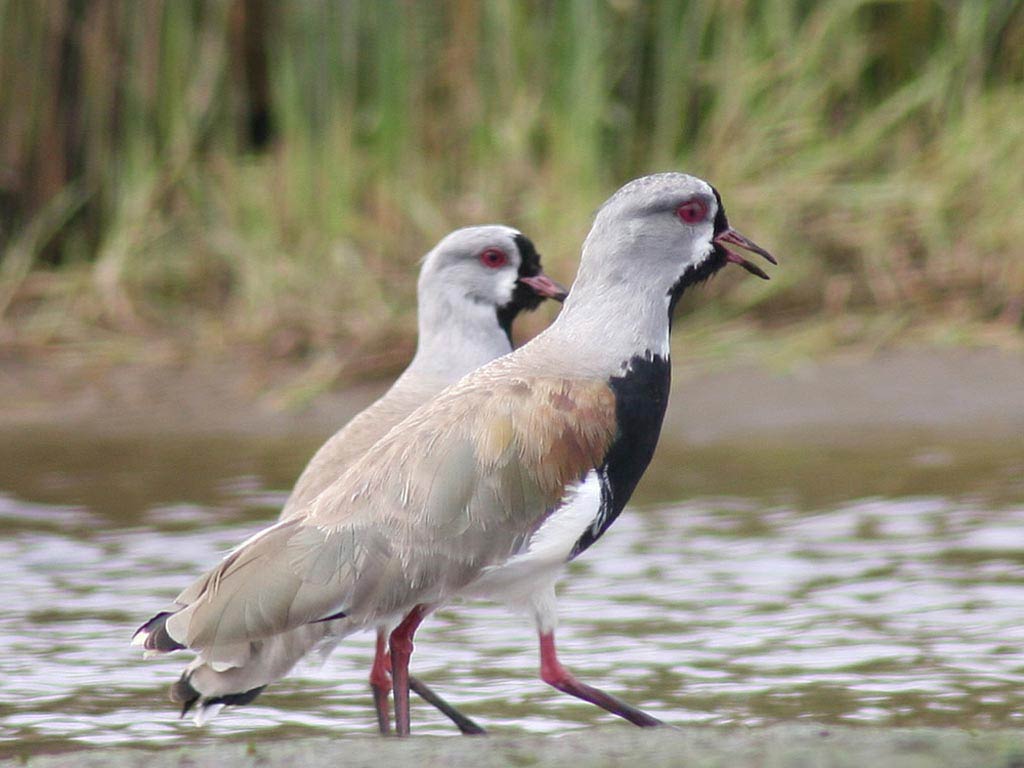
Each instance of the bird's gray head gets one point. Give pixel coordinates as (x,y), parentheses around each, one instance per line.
(472,286)
(663,232)
(493,272)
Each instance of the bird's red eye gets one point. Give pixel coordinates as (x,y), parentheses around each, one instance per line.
(493,258)
(693,211)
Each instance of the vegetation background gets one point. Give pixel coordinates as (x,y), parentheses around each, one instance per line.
(182,178)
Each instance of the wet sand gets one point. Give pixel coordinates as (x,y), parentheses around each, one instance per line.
(782,746)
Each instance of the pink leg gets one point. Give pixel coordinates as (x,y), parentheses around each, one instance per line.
(553,673)
(380,683)
(401,651)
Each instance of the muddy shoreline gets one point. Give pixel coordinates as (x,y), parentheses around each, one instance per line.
(974,393)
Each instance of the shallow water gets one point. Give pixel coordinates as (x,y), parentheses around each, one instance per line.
(881,584)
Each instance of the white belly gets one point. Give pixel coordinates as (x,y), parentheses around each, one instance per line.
(526,580)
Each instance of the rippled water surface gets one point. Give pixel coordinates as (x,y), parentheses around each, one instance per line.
(747,585)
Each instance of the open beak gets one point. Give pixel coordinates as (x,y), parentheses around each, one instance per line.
(544,286)
(732,237)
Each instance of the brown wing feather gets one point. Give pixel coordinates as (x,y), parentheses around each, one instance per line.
(352,440)
(453,489)
(553,430)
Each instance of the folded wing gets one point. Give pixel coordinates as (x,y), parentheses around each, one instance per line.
(458,487)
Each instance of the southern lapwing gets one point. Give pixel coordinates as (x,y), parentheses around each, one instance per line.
(472,285)
(491,487)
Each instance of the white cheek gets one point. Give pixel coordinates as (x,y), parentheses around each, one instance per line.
(506,285)
(708,249)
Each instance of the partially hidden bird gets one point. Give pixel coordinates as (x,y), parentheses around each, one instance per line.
(493,486)
(472,285)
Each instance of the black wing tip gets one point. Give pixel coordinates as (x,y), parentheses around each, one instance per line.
(157,637)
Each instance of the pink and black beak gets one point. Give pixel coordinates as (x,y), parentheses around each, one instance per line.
(731,237)
(532,286)
(544,286)
(726,236)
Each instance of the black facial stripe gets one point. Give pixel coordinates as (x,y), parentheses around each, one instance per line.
(529,259)
(641,396)
(714,262)
(721,221)
(523,296)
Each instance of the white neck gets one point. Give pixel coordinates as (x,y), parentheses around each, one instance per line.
(456,336)
(604,336)
(609,317)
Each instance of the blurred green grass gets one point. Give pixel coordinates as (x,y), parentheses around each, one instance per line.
(875,146)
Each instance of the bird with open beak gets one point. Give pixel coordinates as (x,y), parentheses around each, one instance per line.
(494,485)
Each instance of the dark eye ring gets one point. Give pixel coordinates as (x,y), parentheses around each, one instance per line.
(493,258)
(693,211)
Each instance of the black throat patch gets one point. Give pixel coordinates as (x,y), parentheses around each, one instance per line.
(641,396)
(523,296)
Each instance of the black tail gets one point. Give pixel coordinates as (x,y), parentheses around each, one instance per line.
(183,693)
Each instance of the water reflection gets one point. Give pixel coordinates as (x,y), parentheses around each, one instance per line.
(838,586)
